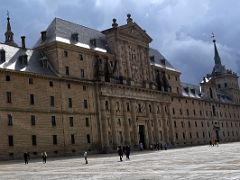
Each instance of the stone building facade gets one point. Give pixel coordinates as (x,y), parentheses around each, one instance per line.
(81,89)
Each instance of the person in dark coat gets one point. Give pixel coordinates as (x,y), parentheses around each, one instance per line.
(25,156)
(127,152)
(120,152)
(44,157)
(165,146)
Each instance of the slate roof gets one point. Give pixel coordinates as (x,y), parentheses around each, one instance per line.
(191,90)
(157,59)
(12,61)
(62,31)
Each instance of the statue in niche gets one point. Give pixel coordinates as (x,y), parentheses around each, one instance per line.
(109,70)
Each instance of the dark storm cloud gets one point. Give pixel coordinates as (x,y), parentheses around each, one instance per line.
(180,29)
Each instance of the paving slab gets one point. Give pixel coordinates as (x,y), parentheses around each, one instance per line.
(198,163)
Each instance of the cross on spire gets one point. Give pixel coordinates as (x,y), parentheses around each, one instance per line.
(213,37)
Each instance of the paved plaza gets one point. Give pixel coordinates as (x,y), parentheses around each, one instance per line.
(199,162)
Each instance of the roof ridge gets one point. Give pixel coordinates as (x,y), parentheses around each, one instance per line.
(57,18)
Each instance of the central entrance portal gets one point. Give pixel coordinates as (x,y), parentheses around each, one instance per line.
(142,135)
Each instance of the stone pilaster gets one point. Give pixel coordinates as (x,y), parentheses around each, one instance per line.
(113,122)
(148,122)
(127,140)
(165,126)
(134,123)
(155,123)
(105,143)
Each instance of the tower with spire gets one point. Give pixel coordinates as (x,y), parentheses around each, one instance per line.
(222,83)
(218,67)
(9,34)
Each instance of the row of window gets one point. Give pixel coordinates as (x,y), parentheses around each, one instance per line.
(208,103)
(67,72)
(203,135)
(54,139)
(80,56)
(212,113)
(52,100)
(196,124)
(51,84)
(53,121)
(140,108)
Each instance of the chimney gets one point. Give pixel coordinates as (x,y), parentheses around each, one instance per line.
(44,35)
(23,42)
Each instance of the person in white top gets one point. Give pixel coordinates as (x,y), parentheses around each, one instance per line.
(85,156)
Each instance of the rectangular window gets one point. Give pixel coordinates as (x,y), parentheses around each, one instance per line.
(81,57)
(69,86)
(30,81)
(70,102)
(52,101)
(84,88)
(10,140)
(72,139)
(33,120)
(32,99)
(85,104)
(71,121)
(65,53)
(67,70)
(54,139)
(82,73)
(87,122)
(10,120)
(53,121)
(88,139)
(8,78)
(50,83)
(9,97)
(34,140)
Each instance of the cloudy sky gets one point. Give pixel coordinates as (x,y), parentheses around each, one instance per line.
(180,29)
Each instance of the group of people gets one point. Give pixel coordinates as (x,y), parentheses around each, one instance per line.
(26,157)
(125,150)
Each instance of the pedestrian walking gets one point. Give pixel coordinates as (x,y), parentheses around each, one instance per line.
(85,157)
(44,157)
(26,157)
(120,152)
(127,152)
(165,146)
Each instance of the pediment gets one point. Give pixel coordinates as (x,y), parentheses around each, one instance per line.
(132,30)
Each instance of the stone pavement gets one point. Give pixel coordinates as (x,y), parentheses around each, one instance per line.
(199,162)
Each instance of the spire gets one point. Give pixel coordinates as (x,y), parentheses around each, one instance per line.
(218,67)
(216,54)
(9,34)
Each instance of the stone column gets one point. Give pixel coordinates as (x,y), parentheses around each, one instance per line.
(150,75)
(155,123)
(148,122)
(113,122)
(105,142)
(126,124)
(118,57)
(142,62)
(170,132)
(165,127)
(128,62)
(134,124)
